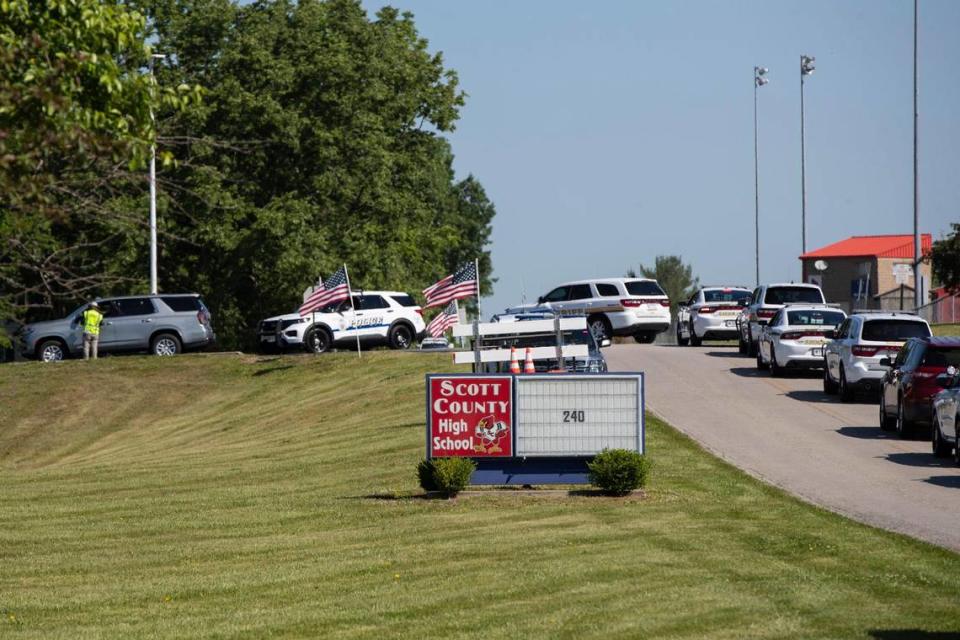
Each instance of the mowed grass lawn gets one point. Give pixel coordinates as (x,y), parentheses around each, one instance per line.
(225,496)
(946,329)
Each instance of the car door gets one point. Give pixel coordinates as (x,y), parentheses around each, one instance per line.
(371,316)
(133,323)
(832,350)
(579,300)
(890,388)
(556,297)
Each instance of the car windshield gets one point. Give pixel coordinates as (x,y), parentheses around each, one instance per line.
(942,357)
(783,295)
(643,288)
(894,330)
(735,296)
(815,317)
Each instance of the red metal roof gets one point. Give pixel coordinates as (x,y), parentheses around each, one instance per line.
(872,246)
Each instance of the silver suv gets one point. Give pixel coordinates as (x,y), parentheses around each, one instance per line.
(164,324)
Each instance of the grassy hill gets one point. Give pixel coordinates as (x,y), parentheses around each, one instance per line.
(228,496)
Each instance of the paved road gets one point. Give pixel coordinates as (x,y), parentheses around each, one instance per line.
(787,432)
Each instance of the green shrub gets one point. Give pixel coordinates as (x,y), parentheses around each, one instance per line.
(618,471)
(449,476)
(425,475)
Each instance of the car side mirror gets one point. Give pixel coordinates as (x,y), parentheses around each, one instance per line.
(605,342)
(885,362)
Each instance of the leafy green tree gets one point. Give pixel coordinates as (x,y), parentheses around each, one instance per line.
(319,143)
(944,257)
(675,278)
(74,116)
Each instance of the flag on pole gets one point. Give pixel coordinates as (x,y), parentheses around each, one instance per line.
(444,320)
(461,284)
(333,290)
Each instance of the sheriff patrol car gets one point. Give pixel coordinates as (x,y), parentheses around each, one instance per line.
(378,317)
(711,313)
(635,307)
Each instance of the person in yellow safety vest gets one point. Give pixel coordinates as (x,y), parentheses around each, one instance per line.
(92,318)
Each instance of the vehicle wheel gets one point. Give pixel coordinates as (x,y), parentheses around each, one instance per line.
(695,340)
(941,448)
(317,340)
(903,428)
(401,337)
(775,369)
(680,339)
(752,347)
(761,365)
(599,327)
(829,386)
(741,344)
(846,393)
(886,422)
(51,351)
(165,344)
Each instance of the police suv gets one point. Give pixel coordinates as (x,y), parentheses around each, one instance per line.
(635,307)
(378,317)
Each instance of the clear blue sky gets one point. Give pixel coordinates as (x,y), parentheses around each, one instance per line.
(607,133)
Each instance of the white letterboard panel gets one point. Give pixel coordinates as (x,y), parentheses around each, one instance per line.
(578,415)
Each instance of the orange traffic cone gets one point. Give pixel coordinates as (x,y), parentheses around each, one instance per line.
(514,365)
(528,362)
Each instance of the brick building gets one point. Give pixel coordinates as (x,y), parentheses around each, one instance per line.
(862,272)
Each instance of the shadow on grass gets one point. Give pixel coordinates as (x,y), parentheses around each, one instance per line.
(866,433)
(926,460)
(263,372)
(950,482)
(913,634)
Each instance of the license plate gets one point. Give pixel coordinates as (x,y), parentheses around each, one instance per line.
(817,352)
(269,338)
(730,323)
(652,307)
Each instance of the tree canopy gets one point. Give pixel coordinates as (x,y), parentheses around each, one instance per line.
(675,278)
(944,257)
(319,141)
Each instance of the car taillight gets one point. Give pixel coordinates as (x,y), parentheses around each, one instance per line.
(766,313)
(796,335)
(705,310)
(927,372)
(631,302)
(864,352)
(203,317)
(665,303)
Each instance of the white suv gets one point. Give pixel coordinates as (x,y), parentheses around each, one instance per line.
(635,307)
(764,303)
(379,317)
(710,314)
(861,342)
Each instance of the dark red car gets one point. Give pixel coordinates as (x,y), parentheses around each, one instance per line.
(907,390)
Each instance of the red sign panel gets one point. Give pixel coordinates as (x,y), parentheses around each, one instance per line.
(471,416)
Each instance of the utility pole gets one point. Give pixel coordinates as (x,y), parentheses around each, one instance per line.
(806,69)
(153,185)
(759,79)
(917,294)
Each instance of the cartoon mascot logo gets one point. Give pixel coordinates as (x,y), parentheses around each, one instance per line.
(489,432)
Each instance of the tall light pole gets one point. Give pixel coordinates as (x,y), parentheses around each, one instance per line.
(806,69)
(153,188)
(917,294)
(759,79)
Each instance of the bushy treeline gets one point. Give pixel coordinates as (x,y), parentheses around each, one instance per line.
(319,141)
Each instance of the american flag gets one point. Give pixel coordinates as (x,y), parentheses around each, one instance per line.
(444,320)
(461,284)
(333,290)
